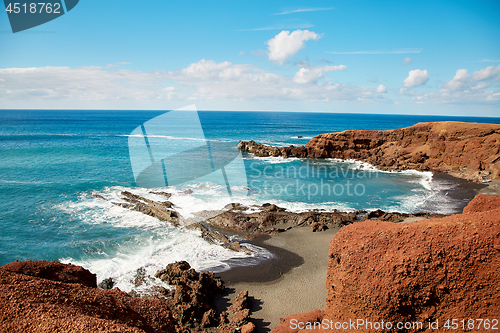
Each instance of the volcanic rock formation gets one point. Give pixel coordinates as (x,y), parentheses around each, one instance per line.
(38,296)
(271,219)
(41,296)
(427,271)
(465,150)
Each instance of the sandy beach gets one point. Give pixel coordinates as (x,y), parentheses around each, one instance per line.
(493,188)
(300,289)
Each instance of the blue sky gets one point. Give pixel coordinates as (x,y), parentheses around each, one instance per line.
(408,57)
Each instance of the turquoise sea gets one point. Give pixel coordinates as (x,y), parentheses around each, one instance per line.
(52,163)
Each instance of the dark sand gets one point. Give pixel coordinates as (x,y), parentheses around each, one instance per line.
(294,282)
(463,191)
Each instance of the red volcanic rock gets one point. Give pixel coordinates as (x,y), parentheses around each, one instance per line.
(37,304)
(191,299)
(465,150)
(237,317)
(53,270)
(482,203)
(431,270)
(42,296)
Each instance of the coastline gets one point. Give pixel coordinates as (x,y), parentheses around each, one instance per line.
(283,286)
(462,190)
(294,282)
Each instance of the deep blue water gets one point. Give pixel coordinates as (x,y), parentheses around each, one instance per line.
(51,162)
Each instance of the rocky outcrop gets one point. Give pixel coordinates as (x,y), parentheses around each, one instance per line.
(191,301)
(214,237)
(276,219)
(236,319)
(272,219)
(428,271)
(465,150)
(41,296)
(54,271)
(192,296)
(162,210)
(33,300)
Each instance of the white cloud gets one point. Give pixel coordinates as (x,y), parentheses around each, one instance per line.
(312,75)
(416,78)
(251,83)
(286,44)
(464,82)
(480,85)
(221,83)
(487,73)
(464,88)
(459,82)
(206,69)
(78,84)
(407,61)
(381,89)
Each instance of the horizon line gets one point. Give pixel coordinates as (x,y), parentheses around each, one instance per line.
(284,111)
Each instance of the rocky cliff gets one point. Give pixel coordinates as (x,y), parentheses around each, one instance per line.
(465,150)
(41,296)
(423,272)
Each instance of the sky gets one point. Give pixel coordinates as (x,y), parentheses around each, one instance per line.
(402,57)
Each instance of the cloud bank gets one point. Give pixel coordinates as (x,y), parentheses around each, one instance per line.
(220,82)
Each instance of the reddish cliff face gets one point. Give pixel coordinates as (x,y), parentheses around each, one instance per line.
(47,296)
(465,150)
(32,300)
(428,271)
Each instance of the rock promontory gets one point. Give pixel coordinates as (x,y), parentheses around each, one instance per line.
(465,150)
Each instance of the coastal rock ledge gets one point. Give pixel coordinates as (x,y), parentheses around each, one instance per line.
(48,296)
(428,271)
(465,150)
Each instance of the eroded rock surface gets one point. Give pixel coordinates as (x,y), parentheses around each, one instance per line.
(41,296)
(32,299)
(465,150)
(162,210)
(191,301)
(272,219)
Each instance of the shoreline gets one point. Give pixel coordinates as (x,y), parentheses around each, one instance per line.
(462,192)
(283,286)
(294,282)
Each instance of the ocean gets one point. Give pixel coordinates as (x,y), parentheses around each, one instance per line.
(54,163)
